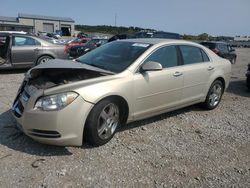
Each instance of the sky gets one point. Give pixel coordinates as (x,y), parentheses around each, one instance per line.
(215,17)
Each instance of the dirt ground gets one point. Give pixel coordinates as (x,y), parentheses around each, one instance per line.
(190,147)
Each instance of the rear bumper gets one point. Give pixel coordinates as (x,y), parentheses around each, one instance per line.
(248,74)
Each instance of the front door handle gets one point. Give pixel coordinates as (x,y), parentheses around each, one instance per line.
(210,68)
(36,49)
(177,74)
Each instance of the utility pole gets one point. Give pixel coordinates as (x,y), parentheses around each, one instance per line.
(115,19)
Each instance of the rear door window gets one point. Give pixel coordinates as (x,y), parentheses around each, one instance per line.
(191,54)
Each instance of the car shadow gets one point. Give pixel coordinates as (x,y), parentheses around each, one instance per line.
(13,138)
(238,87)
(13,71)
(147,121)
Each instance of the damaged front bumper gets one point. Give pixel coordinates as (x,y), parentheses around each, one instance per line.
(63,127)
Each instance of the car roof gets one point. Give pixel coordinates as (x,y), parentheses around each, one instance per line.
(154,41)
(14,32)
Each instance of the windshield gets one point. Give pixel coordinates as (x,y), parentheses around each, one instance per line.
(115,56)
(77,40)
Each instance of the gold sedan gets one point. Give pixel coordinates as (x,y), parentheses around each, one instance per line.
(66,102)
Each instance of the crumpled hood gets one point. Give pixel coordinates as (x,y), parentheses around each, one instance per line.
(63,72)
(65,64)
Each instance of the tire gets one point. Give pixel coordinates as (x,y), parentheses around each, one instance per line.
(233,61)
(43,59)
(214,95)
(248,82)
(102,122)
(2,61)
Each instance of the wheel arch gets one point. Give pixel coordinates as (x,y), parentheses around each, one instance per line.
(123,105)
(223,82)
(47,54)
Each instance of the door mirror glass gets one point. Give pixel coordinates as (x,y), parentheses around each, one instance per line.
(151,66)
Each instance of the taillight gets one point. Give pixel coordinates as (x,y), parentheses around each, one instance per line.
(66,49)
(216,51)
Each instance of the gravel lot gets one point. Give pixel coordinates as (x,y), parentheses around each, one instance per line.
(190,147)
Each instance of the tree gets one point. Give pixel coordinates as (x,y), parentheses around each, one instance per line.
(203,36)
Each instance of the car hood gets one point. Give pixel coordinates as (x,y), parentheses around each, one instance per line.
(65,64)
(60,72)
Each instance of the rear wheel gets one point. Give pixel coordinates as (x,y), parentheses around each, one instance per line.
(43,59)
(102,122)
(214,95)
(233,61)
(2,60)
(248,82)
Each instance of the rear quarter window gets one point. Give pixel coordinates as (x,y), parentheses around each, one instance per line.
(204,55)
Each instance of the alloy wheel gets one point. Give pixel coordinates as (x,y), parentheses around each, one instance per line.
(108,121)
(44,60)
(215,95)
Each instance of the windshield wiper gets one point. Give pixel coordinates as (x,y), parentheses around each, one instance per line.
(94,67)
(102,69)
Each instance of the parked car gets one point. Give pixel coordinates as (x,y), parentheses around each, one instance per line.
(248,77)
(222,49)
(156,34)
(82,35)
(146,34)
(119,82)
(53,35)
(118,37)
(51,39)
(18,50)
(77,51)
(77,41)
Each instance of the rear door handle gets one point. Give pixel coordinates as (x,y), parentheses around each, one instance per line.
(210,68)
(177,74)
(36,49)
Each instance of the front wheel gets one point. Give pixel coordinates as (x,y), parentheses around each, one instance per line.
(102,122)
(248,82)
(214,95)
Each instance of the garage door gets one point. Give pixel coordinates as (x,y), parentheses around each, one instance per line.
(49,28)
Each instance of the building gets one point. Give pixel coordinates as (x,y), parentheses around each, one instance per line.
(38,23)
(242,38)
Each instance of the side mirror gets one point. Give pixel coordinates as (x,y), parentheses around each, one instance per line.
(232,50)
(151,66)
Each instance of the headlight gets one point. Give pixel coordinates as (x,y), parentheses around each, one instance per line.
(55,102)
(87,49)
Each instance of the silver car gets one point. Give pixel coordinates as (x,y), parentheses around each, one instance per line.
(66,102)
(20,50)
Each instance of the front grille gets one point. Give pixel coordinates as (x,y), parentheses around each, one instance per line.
(25,96)
(18,109)
(44,133)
